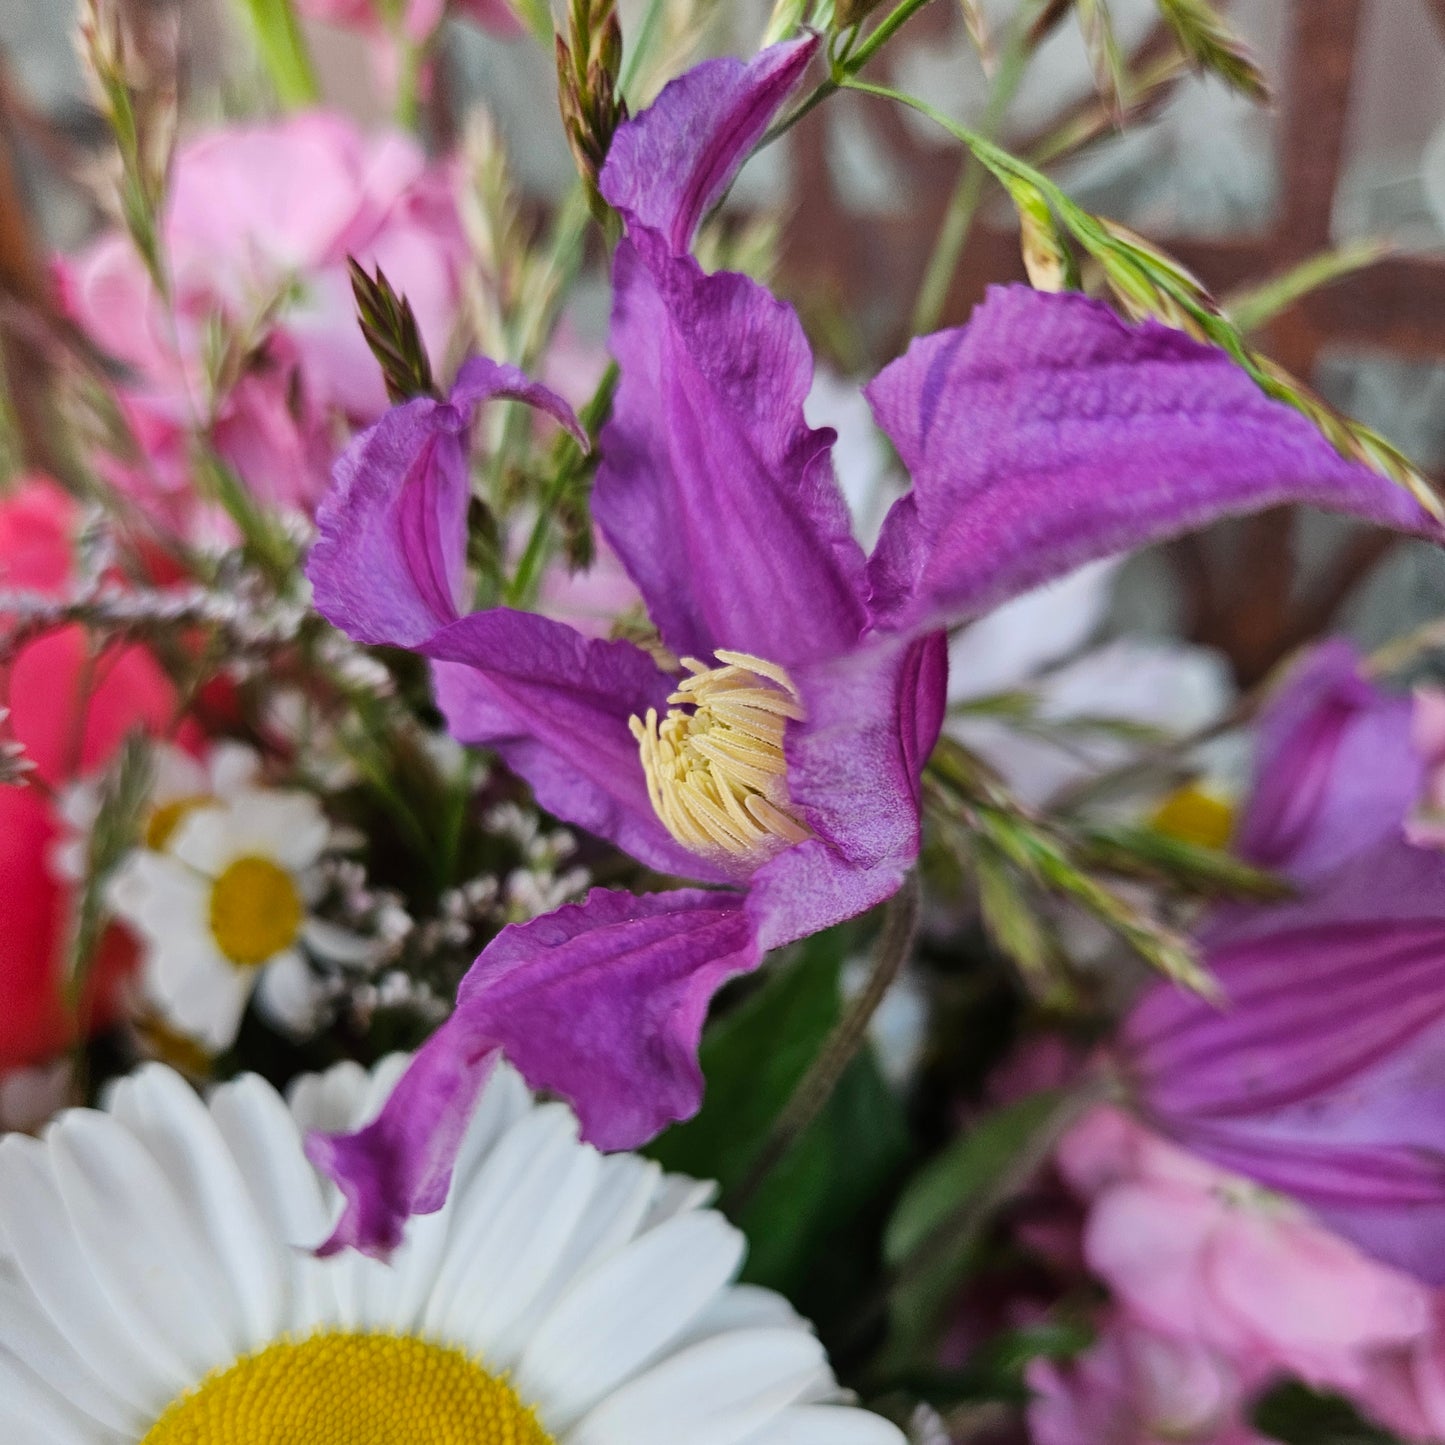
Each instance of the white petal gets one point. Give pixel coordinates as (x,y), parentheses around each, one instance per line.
(177,775)
(679,1194)
(509,1229)
(829,1425)
(157,895)
(286,826)
(165,1113)
(197,991)
(33,1338)
(626,1313)
(203,841)
(143,1243)
(266,1144)
(290,995)
(233,768)
(339,945)
(48,1258)
(620,1200)
(331,1102)
(717,1392)
(33,1413)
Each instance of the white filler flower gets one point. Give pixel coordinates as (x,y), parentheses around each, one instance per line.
(155,1289)
(224,910)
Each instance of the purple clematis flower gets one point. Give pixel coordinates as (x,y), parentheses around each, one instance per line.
(1324,1076)
(777,762)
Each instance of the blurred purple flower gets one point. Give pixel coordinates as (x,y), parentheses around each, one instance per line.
(784,770)
(1324,1076)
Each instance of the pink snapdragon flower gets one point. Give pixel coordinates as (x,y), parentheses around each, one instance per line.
(1210,1258)
(1137,1386)
(259,225)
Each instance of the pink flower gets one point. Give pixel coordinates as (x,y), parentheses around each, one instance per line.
(1208,1257)
(1426,826)
(419,18)
(260,222)
(1135,1386)
(70,716)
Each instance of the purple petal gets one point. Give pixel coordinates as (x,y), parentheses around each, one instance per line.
(389,559)
(714,491)
(1336,768)
(669,167)
(1324,1075)
(853,773)
(401,1163)
(481,379)
(602,1002)
(1047,432)
(389,562)
(555,705)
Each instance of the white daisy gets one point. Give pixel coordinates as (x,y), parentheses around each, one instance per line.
(224,911)
(153,1291)
(180,784)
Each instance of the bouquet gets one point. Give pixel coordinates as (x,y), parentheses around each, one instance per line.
(587,851)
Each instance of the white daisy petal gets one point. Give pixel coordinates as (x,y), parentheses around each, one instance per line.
(197,991)
(141,1241)
(149,1266)
(828,1425)
(181,1134)
(203,841)
(32,1411)
(48,1259)
(32,1337)
(625,1313)
(290,995)
(717,1392)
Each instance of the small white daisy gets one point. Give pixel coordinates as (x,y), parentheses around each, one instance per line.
(180,784)
(153,1289)
(223,911)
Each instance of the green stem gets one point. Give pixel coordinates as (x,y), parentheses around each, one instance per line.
(638,50)
(963,207)
(815,1088)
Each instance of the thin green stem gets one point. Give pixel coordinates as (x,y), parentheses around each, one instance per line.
(815,1088)
(963,207)
(637,52)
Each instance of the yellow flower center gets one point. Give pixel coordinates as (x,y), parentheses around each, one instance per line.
(1193,815)
(350,1389)
(255,911)
(714,765)
(161,826)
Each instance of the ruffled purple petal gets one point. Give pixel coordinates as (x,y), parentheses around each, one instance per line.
(389,559)
(1324,1074)
(601,1002)
(389,562)
(401,1163)
(1047,432)
(1336,768)
(853,775)
(668,167)
(555,705)
(713,490)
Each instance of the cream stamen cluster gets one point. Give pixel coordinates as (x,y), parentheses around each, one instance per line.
(715,768)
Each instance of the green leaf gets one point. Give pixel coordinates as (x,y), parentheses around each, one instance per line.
(753,1059)
(938,1227)
(283,51)
(1295,1415)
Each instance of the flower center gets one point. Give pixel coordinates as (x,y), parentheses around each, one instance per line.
(255,911)
(1195,816)
(161,826)
(350,1389)
(715,769)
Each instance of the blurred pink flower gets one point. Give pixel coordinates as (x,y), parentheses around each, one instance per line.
(418,18)
(1210,1258)
(259,225)
(1136,1386)
(1426,826)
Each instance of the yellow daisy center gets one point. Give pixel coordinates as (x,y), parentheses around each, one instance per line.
(350,1389)
(161,826)
(715,769)
(255,911)
(1195,816)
